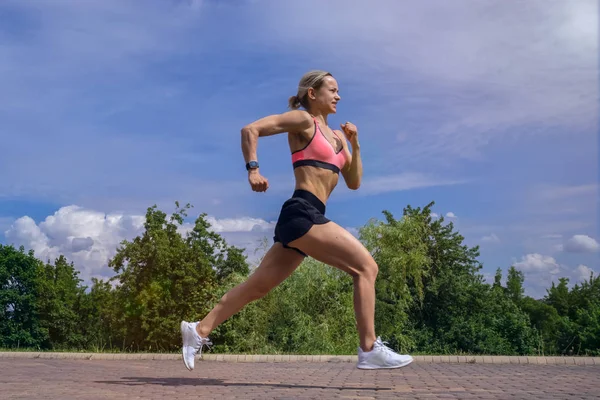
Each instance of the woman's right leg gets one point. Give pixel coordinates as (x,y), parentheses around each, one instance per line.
(335,246)
(276,266)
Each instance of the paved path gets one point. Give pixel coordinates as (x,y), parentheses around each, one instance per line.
(168,379)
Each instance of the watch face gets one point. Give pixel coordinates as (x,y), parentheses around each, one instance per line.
(252,164)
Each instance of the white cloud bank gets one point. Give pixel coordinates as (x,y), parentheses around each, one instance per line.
(541,271)
(90,238)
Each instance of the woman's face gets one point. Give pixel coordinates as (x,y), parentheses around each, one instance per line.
(327,97)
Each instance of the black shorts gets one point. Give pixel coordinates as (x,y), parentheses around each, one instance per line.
(298,214)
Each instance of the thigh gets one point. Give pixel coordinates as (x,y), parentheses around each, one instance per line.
(275,267)
(334,245)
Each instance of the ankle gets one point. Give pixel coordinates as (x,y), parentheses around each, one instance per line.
(201,330)
(367,345)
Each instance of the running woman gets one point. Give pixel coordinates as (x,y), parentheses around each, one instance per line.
(319,154)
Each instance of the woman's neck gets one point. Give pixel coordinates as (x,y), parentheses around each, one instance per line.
(321,118)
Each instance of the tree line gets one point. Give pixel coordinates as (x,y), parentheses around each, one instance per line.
(431,297)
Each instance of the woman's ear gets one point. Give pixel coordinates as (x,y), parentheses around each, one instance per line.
(311,93)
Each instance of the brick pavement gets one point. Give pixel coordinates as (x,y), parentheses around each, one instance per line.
(22,378)
(569,360)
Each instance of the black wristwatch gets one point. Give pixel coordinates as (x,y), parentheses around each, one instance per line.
(251,165)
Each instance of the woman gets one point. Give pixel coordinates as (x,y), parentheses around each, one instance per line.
(319,155)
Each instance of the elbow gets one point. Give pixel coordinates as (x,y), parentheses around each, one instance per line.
(246,130)
(354,186)
(250,133)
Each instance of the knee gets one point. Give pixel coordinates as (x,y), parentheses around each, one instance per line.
(368,271)
(372,271)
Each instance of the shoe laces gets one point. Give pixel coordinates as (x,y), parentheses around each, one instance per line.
(200,341)
(381,345)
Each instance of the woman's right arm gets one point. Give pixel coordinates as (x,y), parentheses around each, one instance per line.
(291,121)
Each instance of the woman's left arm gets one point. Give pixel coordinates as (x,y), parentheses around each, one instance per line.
(353,170)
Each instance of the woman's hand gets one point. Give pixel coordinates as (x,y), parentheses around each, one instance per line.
(350,131)
(258,182)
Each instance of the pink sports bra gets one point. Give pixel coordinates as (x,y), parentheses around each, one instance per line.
(320,153)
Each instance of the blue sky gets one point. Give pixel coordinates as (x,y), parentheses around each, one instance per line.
(488,108)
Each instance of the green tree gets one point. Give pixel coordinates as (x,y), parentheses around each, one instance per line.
(313,312)
(19,292)
(558,297)
(231,261)
(446,308)
(579,308)
(498,279)
(164,277)
(400,249)
(101,319)
(545,319)
(58,295)
(514,285)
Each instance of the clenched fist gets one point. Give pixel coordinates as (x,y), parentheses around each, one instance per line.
(258,182)
(350,131)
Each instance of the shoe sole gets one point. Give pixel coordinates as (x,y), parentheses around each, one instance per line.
(390,367)
(182,327)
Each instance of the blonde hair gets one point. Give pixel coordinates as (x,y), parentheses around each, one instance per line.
(312,79)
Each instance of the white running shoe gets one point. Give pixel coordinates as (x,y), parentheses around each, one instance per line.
(381,356)
(192,343)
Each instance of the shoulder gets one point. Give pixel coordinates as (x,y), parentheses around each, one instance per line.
(290,121)
(295,119)
(299,116)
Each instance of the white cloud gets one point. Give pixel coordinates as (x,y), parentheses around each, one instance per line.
(90,238)
(450,214)
(492,238)
(86,237)
(24,231)
(541,271)
(581,244)
(583,272)
(243,224)
(434,215)
(538,263)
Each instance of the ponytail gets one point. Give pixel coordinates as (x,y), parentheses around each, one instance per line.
(294,103)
